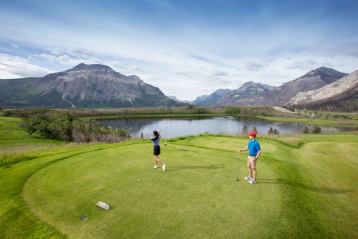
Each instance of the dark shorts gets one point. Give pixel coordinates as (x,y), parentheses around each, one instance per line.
(156,150)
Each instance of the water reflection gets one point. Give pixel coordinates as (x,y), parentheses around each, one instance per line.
(175,127)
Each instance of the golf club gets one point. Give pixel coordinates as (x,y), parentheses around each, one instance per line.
(165,141)
(237,177)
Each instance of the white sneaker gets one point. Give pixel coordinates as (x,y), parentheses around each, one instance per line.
(163,167)
(252,181)
(248,178)
(156,166)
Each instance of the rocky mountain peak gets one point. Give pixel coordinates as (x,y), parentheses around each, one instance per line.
(86,67)
(325,72)
(252,85)
(221,91)
(93,85)
(340,87)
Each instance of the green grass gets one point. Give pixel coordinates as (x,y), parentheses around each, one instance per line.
(348,123)
(306,189)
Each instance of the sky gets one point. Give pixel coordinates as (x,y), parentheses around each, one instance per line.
(187,48)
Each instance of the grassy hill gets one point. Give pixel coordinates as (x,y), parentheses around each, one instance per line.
(306,188)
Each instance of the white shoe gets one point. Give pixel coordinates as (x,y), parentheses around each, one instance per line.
(156,166)
(163,167)
(248,178)
(252,181)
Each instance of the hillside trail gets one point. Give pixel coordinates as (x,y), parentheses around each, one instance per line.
(283,110)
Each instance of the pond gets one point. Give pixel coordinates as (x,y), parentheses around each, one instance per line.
(176,127)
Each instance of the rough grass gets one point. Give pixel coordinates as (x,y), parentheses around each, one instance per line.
(306,189)
(11,135)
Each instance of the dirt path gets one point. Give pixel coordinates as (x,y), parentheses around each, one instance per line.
(284,110)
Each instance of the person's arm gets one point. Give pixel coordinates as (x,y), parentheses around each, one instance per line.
(245,149)
(258,154)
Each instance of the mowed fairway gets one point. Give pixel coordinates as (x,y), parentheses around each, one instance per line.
(307,188)
(197,197)
(302,192)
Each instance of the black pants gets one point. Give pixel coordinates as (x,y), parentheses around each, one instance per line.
(156,150)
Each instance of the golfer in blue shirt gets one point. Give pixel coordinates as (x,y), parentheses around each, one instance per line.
(254,152)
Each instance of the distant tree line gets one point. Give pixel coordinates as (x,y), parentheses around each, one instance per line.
(64,126)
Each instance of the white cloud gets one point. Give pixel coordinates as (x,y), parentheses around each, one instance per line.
(14,45)
(17,67)
(186,62)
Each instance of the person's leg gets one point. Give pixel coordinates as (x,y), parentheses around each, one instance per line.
(249,167)
(156,165)
(157,160)
(253,168)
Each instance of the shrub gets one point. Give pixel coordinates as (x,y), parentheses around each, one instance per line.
(254,129)
(63,126)
(316,130)
(273,131)
(244,130)
(201,111)
(306,130)
(233,111)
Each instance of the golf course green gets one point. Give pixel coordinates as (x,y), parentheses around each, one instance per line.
(306,188)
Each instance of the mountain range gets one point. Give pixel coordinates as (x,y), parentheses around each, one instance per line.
(339,95)
(87,86)
(248,94)
(251,93)
(99,86)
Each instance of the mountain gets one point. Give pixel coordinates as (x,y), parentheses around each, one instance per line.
(340,95)
(214,99)
(179,101)
(312,80)
(86,86)
(251,93)
(241,96)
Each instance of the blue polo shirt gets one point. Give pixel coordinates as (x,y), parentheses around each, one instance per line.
(254,147)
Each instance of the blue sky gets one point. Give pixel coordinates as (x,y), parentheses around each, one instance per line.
(186,48)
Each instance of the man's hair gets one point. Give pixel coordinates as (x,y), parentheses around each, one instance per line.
(156,133)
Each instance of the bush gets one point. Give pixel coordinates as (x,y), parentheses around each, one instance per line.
(49,125)
(273,131)
(306,130)
(201,111)
(257,110)
(316,130)
(254,129)
(244,130)
(233,111)
(63,126)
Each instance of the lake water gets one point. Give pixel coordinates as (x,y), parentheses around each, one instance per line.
(175,127)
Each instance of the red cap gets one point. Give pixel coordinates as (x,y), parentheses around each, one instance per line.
(253,134)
